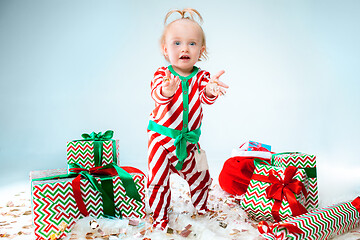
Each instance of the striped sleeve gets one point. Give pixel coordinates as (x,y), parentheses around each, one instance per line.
(156,87)
(204,80)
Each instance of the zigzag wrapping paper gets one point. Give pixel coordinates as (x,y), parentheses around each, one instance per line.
(255,202)
(301,160)
(53,202)
(320,224)
(82,153)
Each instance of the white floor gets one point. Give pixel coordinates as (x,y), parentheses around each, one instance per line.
(336,184)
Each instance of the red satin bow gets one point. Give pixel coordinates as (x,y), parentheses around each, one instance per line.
(100,170)
(281,188)
(356,203)
(76,183)
(273,229)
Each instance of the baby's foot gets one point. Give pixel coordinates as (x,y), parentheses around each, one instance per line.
(202,212)
(162,225)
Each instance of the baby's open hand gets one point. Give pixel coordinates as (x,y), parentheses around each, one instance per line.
(169,84)
(216,87)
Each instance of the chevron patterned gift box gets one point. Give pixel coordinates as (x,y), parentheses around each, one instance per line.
(320,224)
(96,149)
(275,193)
(306,162)
(54,205)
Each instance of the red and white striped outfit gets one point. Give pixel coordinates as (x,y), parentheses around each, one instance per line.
(168,112)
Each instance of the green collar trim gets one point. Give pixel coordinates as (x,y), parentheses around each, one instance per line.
(195,71)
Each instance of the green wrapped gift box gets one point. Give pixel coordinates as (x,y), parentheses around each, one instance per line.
(275,193)
(95,149)
(54,204)
(306,162)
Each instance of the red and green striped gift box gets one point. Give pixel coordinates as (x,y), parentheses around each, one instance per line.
(261,204)
(320,224)
(306,162)
(54,204)
(95,149)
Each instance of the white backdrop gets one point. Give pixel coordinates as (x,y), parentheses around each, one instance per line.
(69,67)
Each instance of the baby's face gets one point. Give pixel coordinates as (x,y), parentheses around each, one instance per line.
(183,45)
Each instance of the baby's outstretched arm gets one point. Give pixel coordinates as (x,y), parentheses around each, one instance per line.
(216,87)
(169,84)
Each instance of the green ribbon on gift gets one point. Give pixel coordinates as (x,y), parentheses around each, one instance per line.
(261,161)
(107,194)
(106,187)
(126,179)
(310,172)
(98,140)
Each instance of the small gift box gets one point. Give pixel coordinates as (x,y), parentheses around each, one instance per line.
(306,162)
(255,146)
(59,200)
(95,149)
(324,223)
(253,149)
(275,193)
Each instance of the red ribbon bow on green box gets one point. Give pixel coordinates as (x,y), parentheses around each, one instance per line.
(283,188)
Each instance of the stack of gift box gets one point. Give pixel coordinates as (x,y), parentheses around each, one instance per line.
(282,195)
(93,185)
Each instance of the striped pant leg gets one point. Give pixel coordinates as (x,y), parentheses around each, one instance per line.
(199,182)
(159,182)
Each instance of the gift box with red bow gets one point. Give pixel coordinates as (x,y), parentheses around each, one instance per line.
(320,224)
(306,162)
(275,193)
(95,149)
(59,199)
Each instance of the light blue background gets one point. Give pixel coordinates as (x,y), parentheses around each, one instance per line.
(69,67)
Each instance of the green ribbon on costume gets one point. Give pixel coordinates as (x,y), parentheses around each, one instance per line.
(310,171)
(183,136)
(98,139)
(180,140)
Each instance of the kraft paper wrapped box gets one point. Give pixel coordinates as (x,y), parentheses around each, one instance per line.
(55,206)
(306,162)
(95,149)
(275,193)
(320,224)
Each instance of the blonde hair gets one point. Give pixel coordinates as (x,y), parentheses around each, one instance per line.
(191,13)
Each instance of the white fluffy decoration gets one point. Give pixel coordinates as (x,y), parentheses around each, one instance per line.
(337,183)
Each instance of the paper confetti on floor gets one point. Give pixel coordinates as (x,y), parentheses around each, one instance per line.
(225,220)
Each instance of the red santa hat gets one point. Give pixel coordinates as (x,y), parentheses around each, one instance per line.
(236,174)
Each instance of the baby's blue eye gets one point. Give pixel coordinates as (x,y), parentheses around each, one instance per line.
(177,43)
(192,44)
